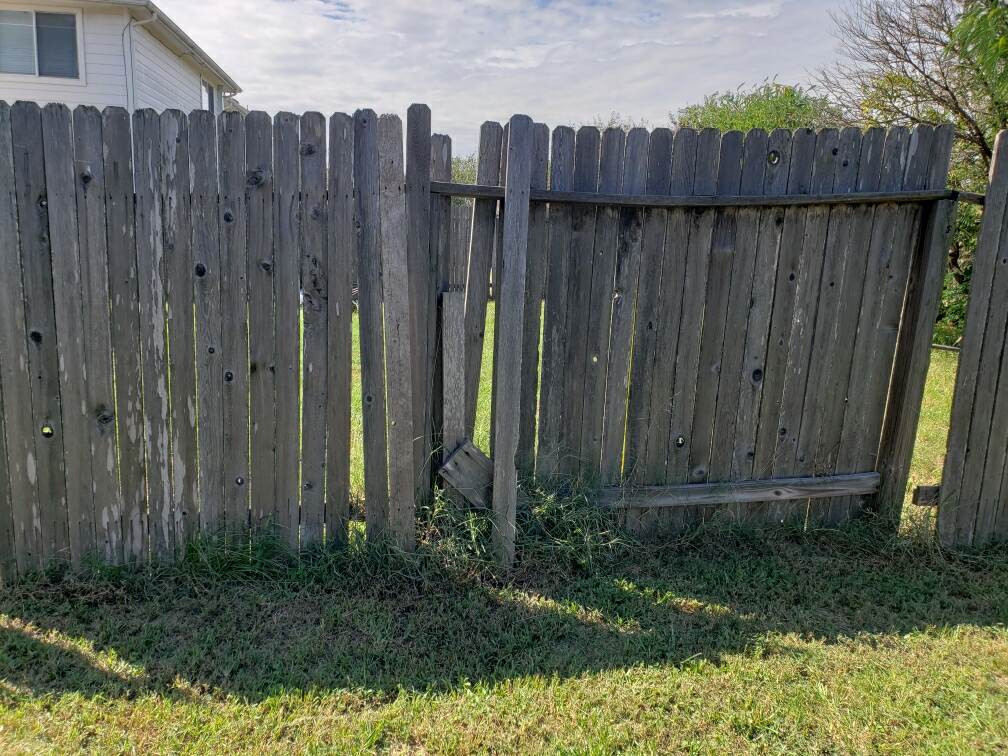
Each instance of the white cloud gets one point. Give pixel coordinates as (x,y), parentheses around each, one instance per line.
(560,61)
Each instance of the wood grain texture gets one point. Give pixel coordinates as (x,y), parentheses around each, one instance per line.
(259,184)
(372,339)
(647,321)
(453,381)
(554,345)
(629,242)
(441,249)
(740,301)
(15,380)
(176,202)
(511,305)
(61,196)
(40,320)
(913,355)
(421,273)
(314,263)
(206,281)
(125,319)
(480,257)
(398,357)
(287,308)
(958,511)
(742,492)
(757,336)
(579,283)
(341,241)
(785,293)
(714,338)
(535,292)
(833,398)
(234,319)
(696,273)
(600,305)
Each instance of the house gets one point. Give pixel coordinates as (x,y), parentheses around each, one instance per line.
(105,52)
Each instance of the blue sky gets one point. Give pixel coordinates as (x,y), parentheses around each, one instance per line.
(559,61)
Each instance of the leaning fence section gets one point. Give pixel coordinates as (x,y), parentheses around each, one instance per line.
(176,329)
(717,309)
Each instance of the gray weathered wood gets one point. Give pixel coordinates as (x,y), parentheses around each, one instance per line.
(15,382)
(421,273)
(511,305)
(153,346)
(61,198)
(287,309)
(785,292)
(579,283)
(341,250)
(234,319)
(372,342)
(807,298)
(469,473)
(834,395)
(740,301)
(771,224)
(695,276)
(259,183)
(535,291)
(647,320)
(629,240)
(906,391)
(441,249)
(446,275)
(43,358)
(555,307)
(969,423)
(125,319)
(715,338)
(742,492)
(396,305)
(314,264)
(843,222)
(177,220)
(600,305)
(480,257)
(909,196)
(206,281)
(453,365)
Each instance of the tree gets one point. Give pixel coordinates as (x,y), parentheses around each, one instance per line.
(768,106)
(915,62)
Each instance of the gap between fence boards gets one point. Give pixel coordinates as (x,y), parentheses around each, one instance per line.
(650,200)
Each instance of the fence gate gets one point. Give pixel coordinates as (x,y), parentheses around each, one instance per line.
(974,486)
(731,323)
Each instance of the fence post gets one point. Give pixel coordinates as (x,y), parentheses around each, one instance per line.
(440,251)
(511,305)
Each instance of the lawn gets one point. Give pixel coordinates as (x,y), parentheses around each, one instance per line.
(738,641)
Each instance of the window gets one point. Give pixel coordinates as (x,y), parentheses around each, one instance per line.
(39,44)
(207,99)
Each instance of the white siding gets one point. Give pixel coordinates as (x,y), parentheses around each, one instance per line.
(104,65)
(161,79)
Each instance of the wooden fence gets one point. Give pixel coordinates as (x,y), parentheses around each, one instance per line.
(687,323)
(972,497)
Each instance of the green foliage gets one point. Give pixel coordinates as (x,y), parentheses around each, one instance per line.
(982,34)
(767,106)
(464,169)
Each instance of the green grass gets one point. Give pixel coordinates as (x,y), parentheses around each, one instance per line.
(763,641)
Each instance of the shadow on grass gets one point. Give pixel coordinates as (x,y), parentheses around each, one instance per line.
(367,620)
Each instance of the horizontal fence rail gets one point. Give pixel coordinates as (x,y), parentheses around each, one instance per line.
(654,200)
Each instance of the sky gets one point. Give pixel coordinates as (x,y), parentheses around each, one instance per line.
(559,61)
